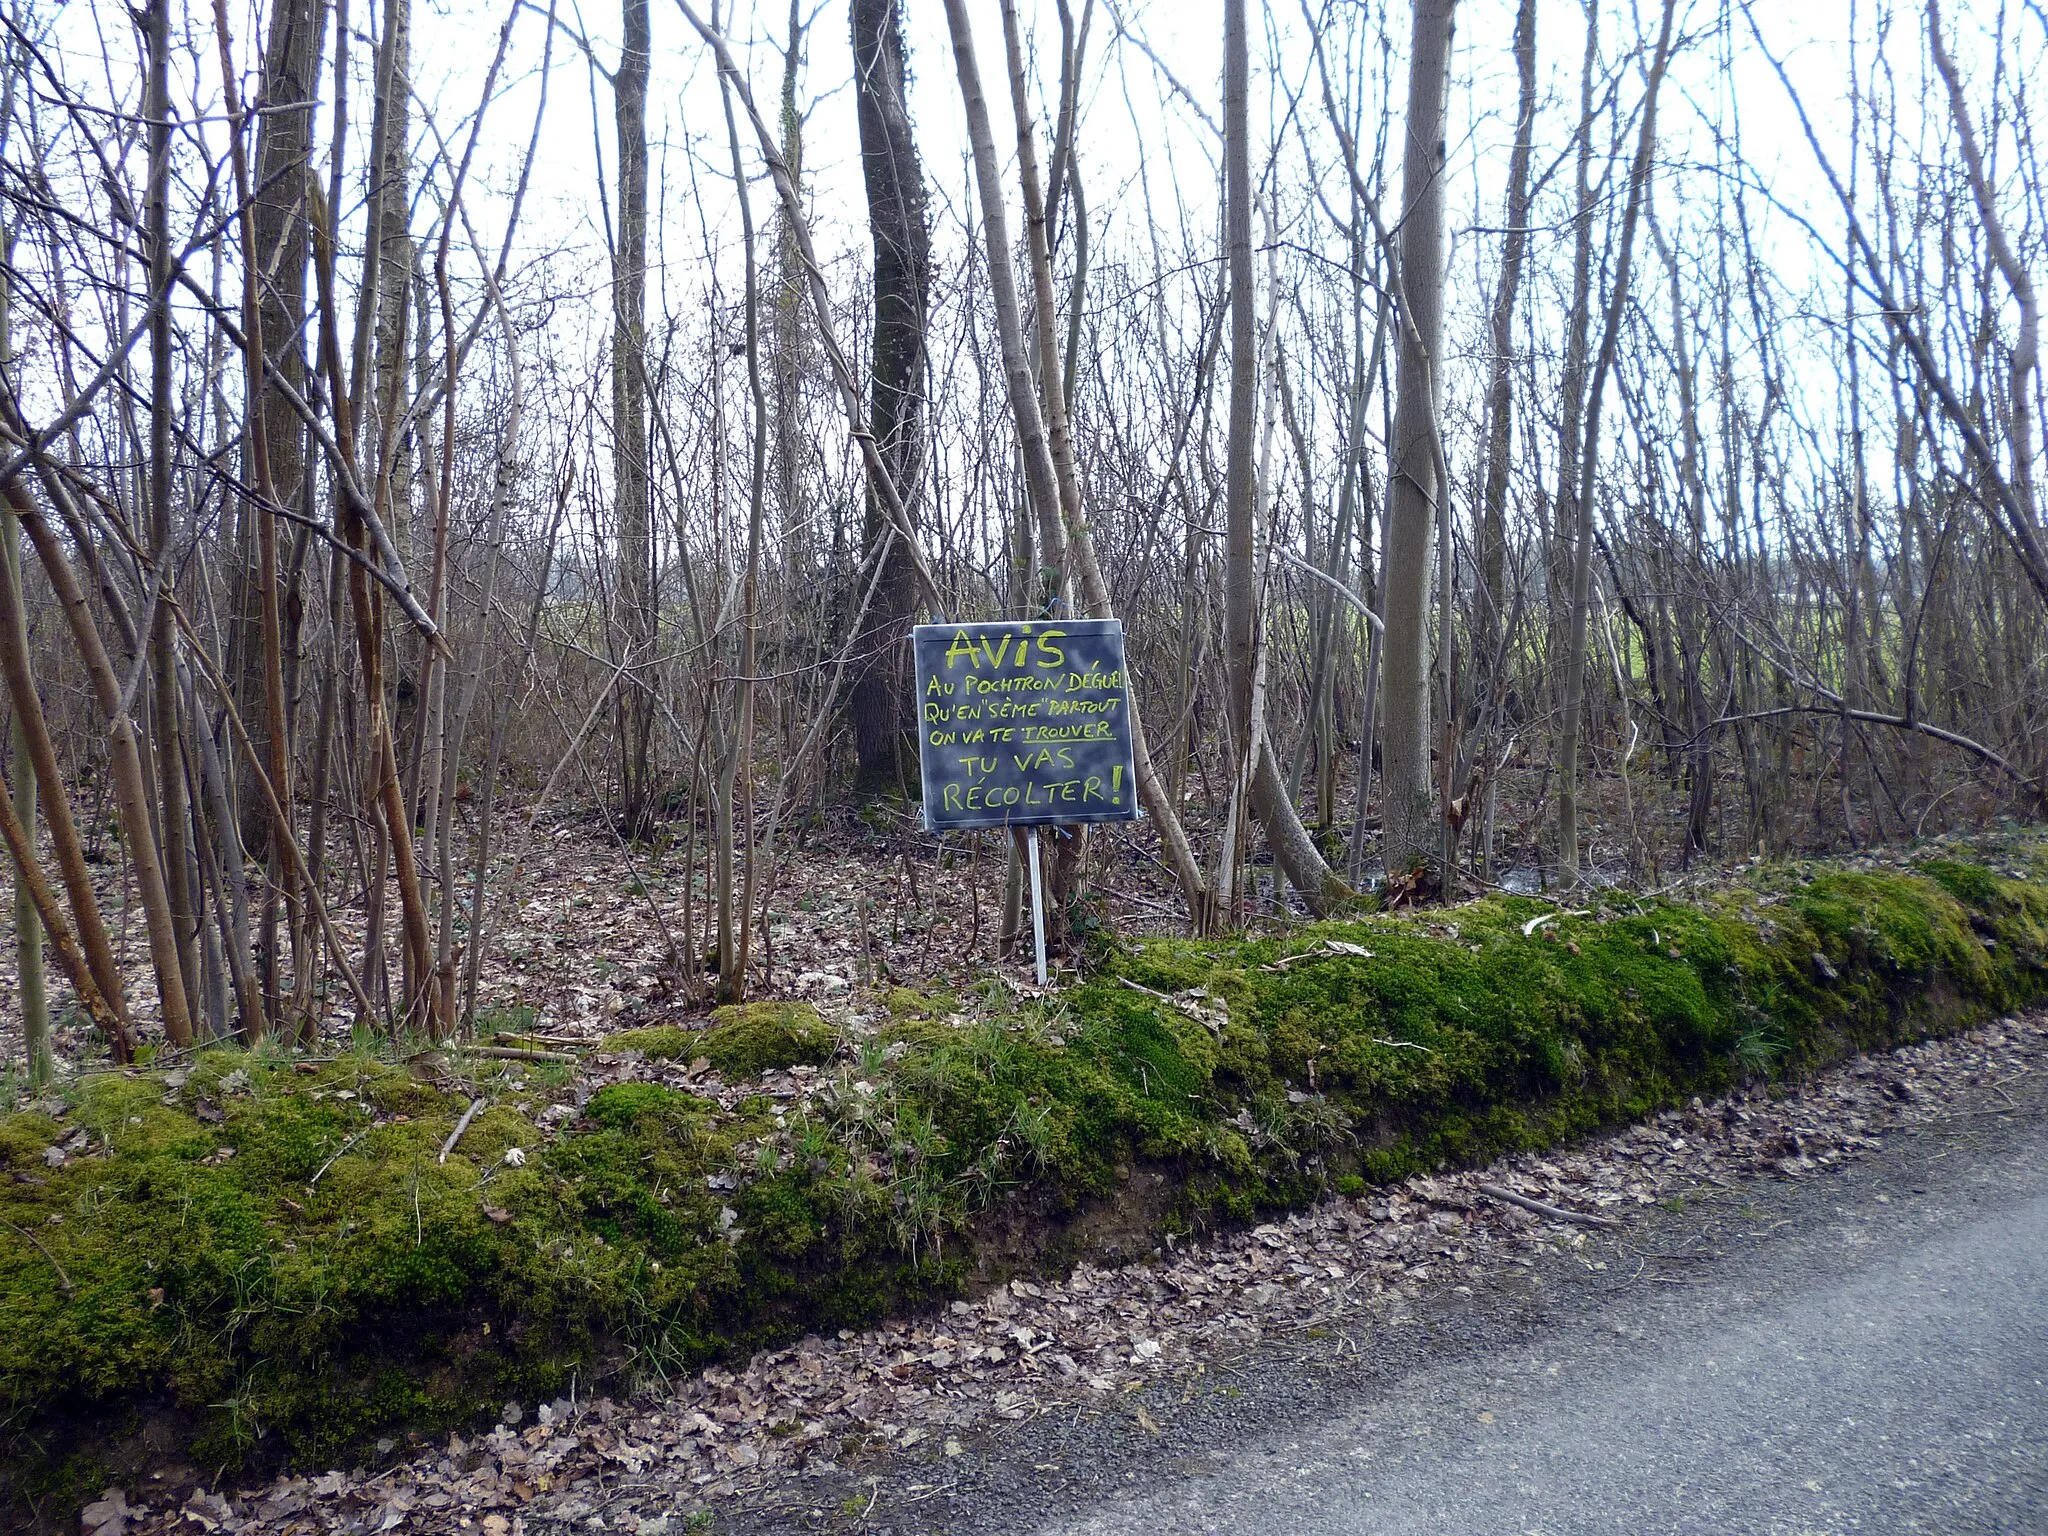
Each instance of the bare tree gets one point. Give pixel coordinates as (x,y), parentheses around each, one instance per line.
(1587,529)
(637,592)
(902,284)
(1415,488)
(1042,467)
(1296,851)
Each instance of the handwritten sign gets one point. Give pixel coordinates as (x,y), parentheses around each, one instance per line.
(1024,723)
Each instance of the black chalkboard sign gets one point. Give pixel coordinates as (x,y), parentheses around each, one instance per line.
(1024,723)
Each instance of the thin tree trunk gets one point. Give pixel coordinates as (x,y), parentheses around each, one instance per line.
(130,779)
(1490,637)
(1240,595)
(732,939)
(225,866)
(1039,467)
(788,304)
(28,925)
(42,756)
(1582,553)
(1410,836)
(1041,481)
(1320,886)
(486,797)
(34,887)
(637,595)
(177,963)
(383,790)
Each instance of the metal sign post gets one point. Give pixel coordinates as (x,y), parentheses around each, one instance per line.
(1037,902)
(1024,724)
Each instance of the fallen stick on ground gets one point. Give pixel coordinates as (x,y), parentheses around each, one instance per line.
(1545,1208)
(527,1042)
(461,1125)
(359,1135)
(62,1278)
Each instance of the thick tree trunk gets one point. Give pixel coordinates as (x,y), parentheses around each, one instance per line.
(1411,837)
(269,636)
(896,220)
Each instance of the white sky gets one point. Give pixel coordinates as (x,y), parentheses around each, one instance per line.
(1133,124)
(454,43)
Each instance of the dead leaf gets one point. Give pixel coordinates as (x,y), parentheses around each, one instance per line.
(108,1515)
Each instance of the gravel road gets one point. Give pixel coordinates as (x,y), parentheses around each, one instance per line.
(1893,1381)
(1861,1351)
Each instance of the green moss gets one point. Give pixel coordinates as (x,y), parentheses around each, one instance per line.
(283,1253)
(747,1039)
(1971,883)
(625,1105)
(909,1003)
(662,1042)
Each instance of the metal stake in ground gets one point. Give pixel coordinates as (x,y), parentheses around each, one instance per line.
(1037,902)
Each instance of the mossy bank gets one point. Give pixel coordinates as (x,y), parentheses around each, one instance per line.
(276,1252)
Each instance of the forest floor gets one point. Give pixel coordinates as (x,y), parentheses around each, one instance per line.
(912,1426)
(587,934)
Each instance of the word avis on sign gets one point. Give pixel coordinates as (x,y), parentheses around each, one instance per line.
(1022,724)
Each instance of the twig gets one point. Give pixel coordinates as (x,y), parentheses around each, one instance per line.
(62,1278)
(515,1053)
(1631,1280)
(536,1040)
(461,1125)
(1545,1208)
(1529,928)
(359,1135)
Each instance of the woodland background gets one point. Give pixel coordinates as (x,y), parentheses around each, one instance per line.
(468,475)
